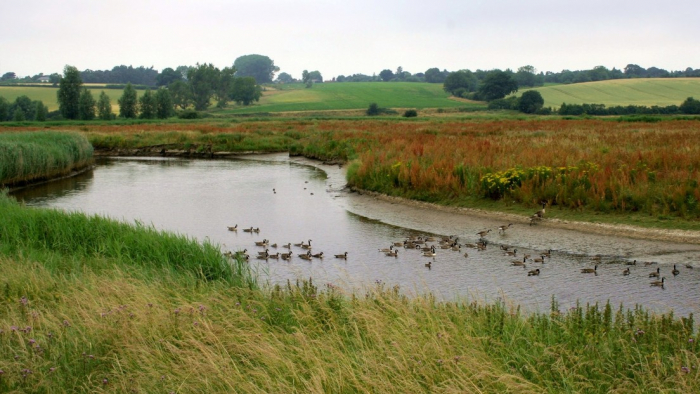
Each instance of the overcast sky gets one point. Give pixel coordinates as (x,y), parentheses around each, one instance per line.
(347,37)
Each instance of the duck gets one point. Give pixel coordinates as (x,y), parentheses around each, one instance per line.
(502,229)
(655,274)
(518,263)
(534,272)
(429,264)
(234,228)
(318,255)
(658,283)
(626,272)
(484,233)
(675,270)
(395,253)
(342,256)
(590,270)
(631,262)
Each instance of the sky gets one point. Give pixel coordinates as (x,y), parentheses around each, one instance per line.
(348,37)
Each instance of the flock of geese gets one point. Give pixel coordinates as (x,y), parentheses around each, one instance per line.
(428,246)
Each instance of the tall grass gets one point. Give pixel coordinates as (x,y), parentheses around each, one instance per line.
(31,156)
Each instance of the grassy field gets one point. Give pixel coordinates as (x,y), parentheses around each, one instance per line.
(91,305)
(643,91)
(48,95)
(341,96)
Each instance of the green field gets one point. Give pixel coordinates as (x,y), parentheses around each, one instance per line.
(48,94)
(643,91)
(352,95)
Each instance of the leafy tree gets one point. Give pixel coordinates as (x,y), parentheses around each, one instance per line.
(284,78)
(40,111)
(245,91)
(399,73)
(86,105)
(497,84)
(203,80)
(164,103)
(634,71)
(8,76)
(316,76)
(69,93)
(260,67)
(224,86)
(386,75)
(410,113)
(19,116)
(373,109)
(168,76)
(25,105)
(434,75)
(464,79)
(530,102)
(599,73)
(4,109)
(55,78)
(104,107)
(526,76)
(147,105)
(690,106)
(181,94)
(128,102)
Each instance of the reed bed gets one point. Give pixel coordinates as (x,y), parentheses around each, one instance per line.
(31,156)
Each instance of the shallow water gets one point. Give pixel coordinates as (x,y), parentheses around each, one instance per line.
(202,198)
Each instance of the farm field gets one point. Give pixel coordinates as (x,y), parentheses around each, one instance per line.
(642,91)
(48,94)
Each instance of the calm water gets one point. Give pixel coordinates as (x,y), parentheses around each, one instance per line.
(202,198)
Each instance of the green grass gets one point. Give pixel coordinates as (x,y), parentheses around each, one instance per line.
(623,92)
(32,156)
(47,95)
(104,318)
(352,96)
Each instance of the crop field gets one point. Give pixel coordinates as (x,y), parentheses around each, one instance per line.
(48,94)
(642,91)
(355,95)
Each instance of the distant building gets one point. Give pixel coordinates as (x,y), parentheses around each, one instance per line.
(44,79)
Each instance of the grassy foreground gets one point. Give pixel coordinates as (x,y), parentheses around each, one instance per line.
(76,319)
(32,156)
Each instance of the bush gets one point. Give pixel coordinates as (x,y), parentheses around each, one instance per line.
(373,109)
(530,102)
(505,103)
(690,106)
(189,114)
(411,113)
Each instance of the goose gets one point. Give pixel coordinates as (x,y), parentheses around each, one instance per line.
(675,271)
(429,264)
(301,243)
(275,256)
(342,256)
(429,254)
(502,229)
(389,250)
(482,234)
(305,256)
(318,255)
(689,266)
(466,255)
(457,248)
(287,256)
(534,219)
(631,262)
(540,213)
(256,230)
(263,256)
(509,253)
(658,283)
(274,245)
(397,244)
(655,274)
(534,272)
(266,251)
(446,246)
(548,253)
(427,248)
(248,230)
(504,248)
(288,245)
(590,270)
(306,246)
(264,242)
(234,228)
(395,253)
(518,263)
(539,259)
(596,258)
(430,239)
(274,191)
(626,272)
(648,263)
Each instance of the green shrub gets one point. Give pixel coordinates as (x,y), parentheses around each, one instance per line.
(410,113)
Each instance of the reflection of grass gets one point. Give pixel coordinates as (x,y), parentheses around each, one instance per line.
(78,317)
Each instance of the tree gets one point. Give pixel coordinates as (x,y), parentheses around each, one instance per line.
(373,109)
(434,75)
(25,105)
(315,76)
(168,76)
(8,76)
(224,86)
(128,102)
(399,73)
(181,94)
(526,76)
(18,115)
(86,105)
(386,75)
(4,109)
(164,103)
(497,84)
(457,80)
(634,71)
(306,78)
(245,91)
(690,106)
(530,102)
(69,93)
(203,80)
(260,67)
(284,78)
(147,105)
(104,107)
(40,111)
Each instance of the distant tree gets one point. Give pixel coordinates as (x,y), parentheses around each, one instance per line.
(634,71)
(599,73)
(168,76)
(147,105)
(183,70)
(399,73)
(316,76)
(434,75)
(526,76)
(128,103)
(18,115)
(497,84)
(69,93)
(4,109)
(55,78)
(25,105)
(306,78)
(373,109)
(245,91)
(164,103)
(690,106)
(181,94)
(457,80)
(104,107)
(530,102)
(260,67)
(40,111)
(8,76)
(410,113)
(386,75)
(86,107)
(203,80)
(284,78)
(224,86)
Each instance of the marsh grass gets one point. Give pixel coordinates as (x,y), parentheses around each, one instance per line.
(31,156)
